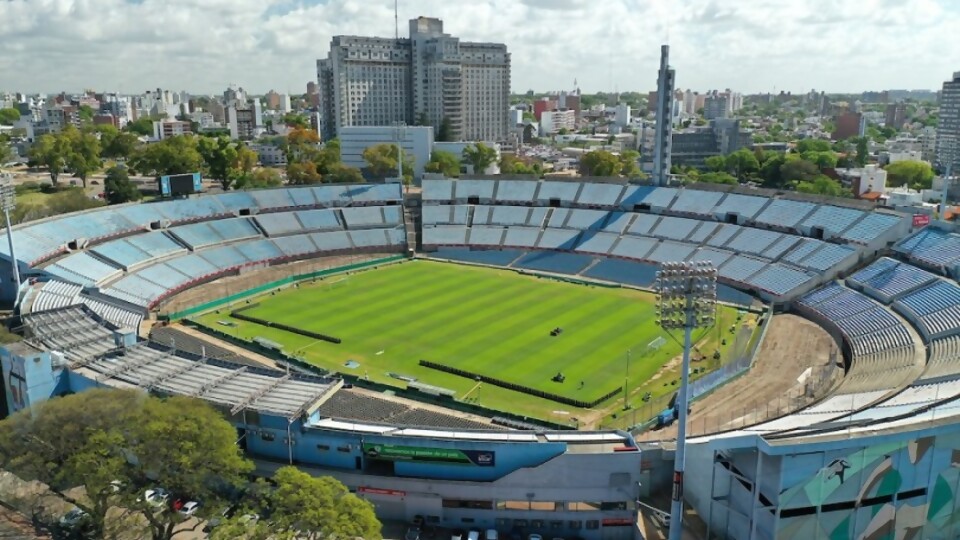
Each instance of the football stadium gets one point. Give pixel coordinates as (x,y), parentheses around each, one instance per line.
(485,352)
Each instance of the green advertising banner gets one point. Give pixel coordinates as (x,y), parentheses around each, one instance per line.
(391,452)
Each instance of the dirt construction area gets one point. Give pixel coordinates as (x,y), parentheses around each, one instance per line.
(792,370)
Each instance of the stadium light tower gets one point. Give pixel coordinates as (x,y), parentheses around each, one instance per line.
(687,299)
(8,201)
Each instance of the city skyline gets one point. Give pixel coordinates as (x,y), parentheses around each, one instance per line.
(133,45)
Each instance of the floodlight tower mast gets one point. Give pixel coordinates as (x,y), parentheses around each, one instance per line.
(687,299)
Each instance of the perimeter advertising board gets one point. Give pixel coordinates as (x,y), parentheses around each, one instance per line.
(393,452)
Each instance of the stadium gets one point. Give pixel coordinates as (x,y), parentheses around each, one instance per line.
(484,352)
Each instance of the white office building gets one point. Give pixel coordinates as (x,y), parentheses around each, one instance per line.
(425,79)
(416,141)
(948,132)
(553,121)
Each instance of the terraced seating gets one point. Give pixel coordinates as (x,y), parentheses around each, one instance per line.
(944,358)
(745,206)
(279,223)
(564,192)
(558,239)
(200,235)
(783,213)
(83,268)
(272,199)
(657,199)
(331,241)
(668,251)
(675,228)
(317,220)
(740,268)
(448,236)
(887,279)
(635,248)
(620,271)
(70,331)
(597,242)
(373,193)
(932,247)
(832,219)
(56,294)
(601,195)
(516,191)
(482,189)
(872,226)
(582,219)
(296,245)
(437,190)
(363,217)
(122,317)
(133,251)
(428,418)
(701,203)
(753,241)
(780,279)
(819,256)
(489,257)
(558,263)
(486,236)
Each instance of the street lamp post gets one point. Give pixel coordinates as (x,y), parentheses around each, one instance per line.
(687,299)
(8,200)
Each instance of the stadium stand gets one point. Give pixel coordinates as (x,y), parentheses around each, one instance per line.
(489,257)
(600,195)
(782,213)
(56,294)
(833,220)
(700,203)
(746,207)
(83,269)
(351,405)
(130,252)
(516,191)
(71,331)
(933,248)
(558,193)
(559,263)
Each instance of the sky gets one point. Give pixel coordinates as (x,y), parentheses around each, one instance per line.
(750,46)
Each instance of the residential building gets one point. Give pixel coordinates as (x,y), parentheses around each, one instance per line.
(896,115)
(723,136)
(516,116)
(416,141)
(553,121)
(622,115)
(715,106)
(431,77)
(273,100)
(948,132)
(164,129)
(270,155)
(849,124)
(285,103)
(928,143)
(570,100)
(243,122)
(106,119)
(543,104)
(218,111)
(870,179)
(205,119)
(234,93)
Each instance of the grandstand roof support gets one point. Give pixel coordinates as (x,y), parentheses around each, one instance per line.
(126,366)
(313,399)
(153,383)
(258,394)
(219,380)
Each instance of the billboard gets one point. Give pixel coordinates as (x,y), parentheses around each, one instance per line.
(180,184)
(392,452)
(921,220)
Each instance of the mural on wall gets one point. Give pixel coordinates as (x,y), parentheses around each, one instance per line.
(903,490)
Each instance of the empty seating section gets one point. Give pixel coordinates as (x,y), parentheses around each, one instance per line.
(209,233)
(361,217)
(643,224)
(723,234)
(259,250)
(714,256)
(83,268)
(658,198)
(369,238)
(675,228)
(944,358)
(331,241)
(352,405)
(605,195)
(784,213)
(704,231)
(374,193)
(891,280)
(486,236)
(933,247)
(781,246)
(522,237)
(817,255)
(585,219)
(560,263)
(296,245)
(832,219)
(564,192)
(620,271)
(514,191)
(437,190)
(271,199)
(483,256)
(690,201)
(871,227)
(392,215)
(223,256)
(132,251)
(513,215)
(617,222)
(634,247)
(739,268)
(279,223)
(122,317)
(934,309)
(332,196)
(558,239)
(236,201)
(446,235)
(597,242)
(668,251)
(56,294)
(780,279)
(319,220)
(753,240)
(746,206)
(438,215)
(483,189)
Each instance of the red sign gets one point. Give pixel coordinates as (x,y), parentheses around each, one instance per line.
(379,491)
(618,522)
(921,220)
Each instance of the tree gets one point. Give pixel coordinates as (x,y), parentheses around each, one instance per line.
(219,154)
(798,170)
(297,120)
(115,143)
(770,171)
(9,116)
(342,174)
(173,155)
(480,156)
(716,163)
(52,152)
(445,131)
(823,160)
(259,178)
(116,444)
(629,165)
(303,173)
(812,145)
(823,185)
(743,162)
(717,178)
(862,151)
(6,154)
(117,187)
(85,112)
(308,507)
(445,163)
(915,174)
(600,163)
(141,126)
(382,161)
(84,155)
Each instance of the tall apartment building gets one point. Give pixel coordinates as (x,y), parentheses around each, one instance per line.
(715,106)
(896,115)
(425,79)
(663,138)
(948,132)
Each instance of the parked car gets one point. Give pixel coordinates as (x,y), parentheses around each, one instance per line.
(413,533)
(73,517)
(155,497)
(189,508)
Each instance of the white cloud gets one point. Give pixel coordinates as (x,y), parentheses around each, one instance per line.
(750,45)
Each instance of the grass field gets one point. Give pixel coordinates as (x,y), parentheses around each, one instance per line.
(491,322)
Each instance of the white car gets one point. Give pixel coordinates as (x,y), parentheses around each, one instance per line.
(249,519)
(156,497)
(189,508)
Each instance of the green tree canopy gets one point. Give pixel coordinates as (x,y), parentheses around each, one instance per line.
(445,131)
(479,156)
(173,155)
(915,174)
(84,154)
(798,170)
(445,163)
(8,116)
(338,173)
(812,145)
(117,443)
(715,163)
(862,151)
(382,161)
(823,185)
(117,187)
(629,164)
(295,120)
(301,173)
(717,178)
(600,163)
(141,126)
(742,163)
(258,178)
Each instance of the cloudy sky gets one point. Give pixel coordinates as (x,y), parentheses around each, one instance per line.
(748,45)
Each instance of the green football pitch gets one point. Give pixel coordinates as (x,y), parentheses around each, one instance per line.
(490,322)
